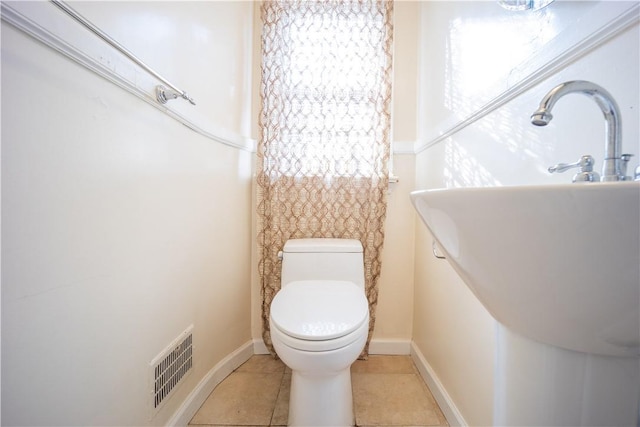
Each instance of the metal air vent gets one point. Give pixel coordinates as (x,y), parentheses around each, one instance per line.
(171,366)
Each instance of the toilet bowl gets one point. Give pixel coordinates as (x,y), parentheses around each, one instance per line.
(318,329)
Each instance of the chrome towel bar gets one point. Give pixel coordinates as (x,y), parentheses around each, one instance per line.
(162,93)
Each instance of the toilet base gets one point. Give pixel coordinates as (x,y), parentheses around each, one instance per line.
(321,400)
(320,380)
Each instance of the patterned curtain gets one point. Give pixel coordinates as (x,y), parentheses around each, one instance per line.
(324,141)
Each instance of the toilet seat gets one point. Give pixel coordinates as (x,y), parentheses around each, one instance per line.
(316,315)
(316,345)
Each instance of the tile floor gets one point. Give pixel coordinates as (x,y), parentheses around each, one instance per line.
(387,391)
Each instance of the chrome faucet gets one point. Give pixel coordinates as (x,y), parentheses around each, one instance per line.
(615,164)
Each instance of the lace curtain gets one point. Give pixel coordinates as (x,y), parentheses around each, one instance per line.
(324,143)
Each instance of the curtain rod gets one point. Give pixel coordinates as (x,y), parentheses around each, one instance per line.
(162,94)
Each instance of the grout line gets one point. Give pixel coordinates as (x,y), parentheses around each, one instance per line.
(275,403)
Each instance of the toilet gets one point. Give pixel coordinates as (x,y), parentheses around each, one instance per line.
(319,325)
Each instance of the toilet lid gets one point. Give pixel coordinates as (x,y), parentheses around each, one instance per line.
(319,309)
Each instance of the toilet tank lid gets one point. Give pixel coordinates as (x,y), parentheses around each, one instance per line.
(323,245)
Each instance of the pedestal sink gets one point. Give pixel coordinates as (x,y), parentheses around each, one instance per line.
(559,264)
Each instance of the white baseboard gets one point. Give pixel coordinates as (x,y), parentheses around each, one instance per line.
(219,372)
(259,347)
(448,407)
(390,347)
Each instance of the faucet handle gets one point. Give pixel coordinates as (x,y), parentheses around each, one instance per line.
(585,163)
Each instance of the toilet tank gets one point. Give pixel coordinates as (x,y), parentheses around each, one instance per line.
(323,259)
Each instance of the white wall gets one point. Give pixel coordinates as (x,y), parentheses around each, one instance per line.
(120,226)
(477,62)
(394,311)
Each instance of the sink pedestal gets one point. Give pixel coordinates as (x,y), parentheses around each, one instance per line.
(543,385)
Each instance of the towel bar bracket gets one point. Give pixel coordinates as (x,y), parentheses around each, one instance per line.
(434,249)
(163,95)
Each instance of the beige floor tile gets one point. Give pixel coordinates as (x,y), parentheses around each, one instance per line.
(380,364)
(393,400)
(243,398)
(387,391)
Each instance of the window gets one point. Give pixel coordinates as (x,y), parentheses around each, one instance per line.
(326,88)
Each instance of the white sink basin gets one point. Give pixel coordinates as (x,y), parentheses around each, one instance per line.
(556,263)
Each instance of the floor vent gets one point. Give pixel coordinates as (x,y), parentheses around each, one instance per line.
(171,366)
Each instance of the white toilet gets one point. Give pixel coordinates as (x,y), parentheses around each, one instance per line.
(319,324)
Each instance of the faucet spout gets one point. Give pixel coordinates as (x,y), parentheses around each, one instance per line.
(612,168)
